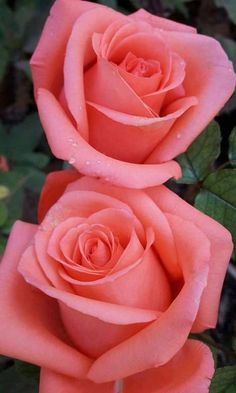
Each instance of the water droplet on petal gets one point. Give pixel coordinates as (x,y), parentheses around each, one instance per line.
(72,160)
(178,136)
(87,162)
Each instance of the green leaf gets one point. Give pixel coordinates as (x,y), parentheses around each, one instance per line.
(22,138)
(217,198)
(176,5)
(229,6)
(232,147)
(109,3)
(198,160)
(36,181)
(39,160)
(224,380)
(11,381)
(26,369)
(3,213)
(3,242)
(23,65)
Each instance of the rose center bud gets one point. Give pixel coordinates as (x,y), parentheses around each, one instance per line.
(139,66)
(97,251)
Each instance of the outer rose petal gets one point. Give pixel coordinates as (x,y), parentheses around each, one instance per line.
(54,186)
(221,250)
(189,371)
(30,325)
(161,23)
(48,58)
(66,143)
(209,77)
(50,382)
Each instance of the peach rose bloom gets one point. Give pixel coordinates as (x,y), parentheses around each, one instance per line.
(120,96)
(106,290)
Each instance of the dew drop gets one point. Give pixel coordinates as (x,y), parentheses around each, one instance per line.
(72,160)
(70,140)
(87,162)
(178,136)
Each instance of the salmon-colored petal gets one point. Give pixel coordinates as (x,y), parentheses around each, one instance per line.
(157,343)
(80,53)
(221,250)
(30,325)
(113,313)
(161,23)
(162,339)
(190,370)
(51,382)
(104,85)
(110,130)
(213,84)
(66,143)
(54,186)
(147,212)
(48,58)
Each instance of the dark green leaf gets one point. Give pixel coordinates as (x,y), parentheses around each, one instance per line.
(3,242)
(217,198)
(12,381)
(197,161)
(229,6)
(232,147)
(224,380)
(3,213)
(23,137)
(36,180)
(39,160)
(109,3)
(176,5)
(23,65)
(26,369)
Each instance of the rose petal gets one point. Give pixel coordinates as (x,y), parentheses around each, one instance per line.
(190,370)
(146,211)
(116,314)
(30,325)
(79,52)
(209,77)
(161,23)
(53,188)
(67,144)
(104,85)
(48,58)
(221,250)
(52,382)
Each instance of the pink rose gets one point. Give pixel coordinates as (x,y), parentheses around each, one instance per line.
(109,286)
(121,96)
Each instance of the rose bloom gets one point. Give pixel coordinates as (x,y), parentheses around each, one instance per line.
(121,96)
(106,290)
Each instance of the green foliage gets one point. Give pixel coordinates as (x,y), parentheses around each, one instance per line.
(109,3)
(198,160)
(229,6)
(19,378)
(17,145)
(176,5)
(224,380)
(232,147)
(217,198)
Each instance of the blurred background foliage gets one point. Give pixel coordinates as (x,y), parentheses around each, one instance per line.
(209,165)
